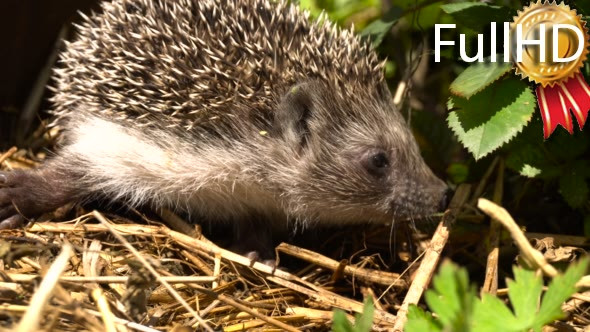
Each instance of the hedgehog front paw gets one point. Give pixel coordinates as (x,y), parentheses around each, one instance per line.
(23,194)
(9,215)
(264,254)
(256,256)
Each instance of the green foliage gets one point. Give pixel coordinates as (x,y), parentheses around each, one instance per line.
(574,189)
(459,309)
(493,112)
(477,15)
(452,298)
(561,160)
(492,117)
(478,76)
(341,11)
(363,323)
(380,27)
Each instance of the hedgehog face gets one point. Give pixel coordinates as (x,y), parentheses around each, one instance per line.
(356,159)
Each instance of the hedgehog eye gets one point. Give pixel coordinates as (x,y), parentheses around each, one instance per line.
(376,163)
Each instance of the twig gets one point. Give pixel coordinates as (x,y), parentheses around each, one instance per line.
(211,249)
(106,313)
(431,257)
(399,92)
(110,279)
(216,270)
(334,300)
(367,275)
(561,239)
(481,186)
(33,315)
(490,284)
(151,269)
(267,319)
(177,224)
(576,301)
(8,154)
(124,322)
(15,308)
(280,277)
(198,262)
(533,257)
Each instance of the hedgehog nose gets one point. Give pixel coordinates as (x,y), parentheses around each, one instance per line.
(445,199)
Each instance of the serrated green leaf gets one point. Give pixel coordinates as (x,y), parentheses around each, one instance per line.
(530,160)
(364,322)
(419,321)
(377,30)
(492,117)
(525,293)
(477,77)
(452,298)
(476,15)
(574,189)
(491,314)
(340,322)
(559,290)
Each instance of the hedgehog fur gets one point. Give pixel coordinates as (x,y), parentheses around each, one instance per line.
(242,112)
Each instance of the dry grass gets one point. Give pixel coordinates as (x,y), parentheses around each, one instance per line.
(103,272)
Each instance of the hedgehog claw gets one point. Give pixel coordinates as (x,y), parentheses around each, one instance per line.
(12,222)
(256,256)
(9,217)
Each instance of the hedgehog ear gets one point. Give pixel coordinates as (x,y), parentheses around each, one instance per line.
(294,113)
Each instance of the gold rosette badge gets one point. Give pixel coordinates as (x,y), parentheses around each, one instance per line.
(554,41)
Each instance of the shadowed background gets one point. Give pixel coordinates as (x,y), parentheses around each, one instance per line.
(29,31)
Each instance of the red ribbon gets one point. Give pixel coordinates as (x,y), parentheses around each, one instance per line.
(556,102)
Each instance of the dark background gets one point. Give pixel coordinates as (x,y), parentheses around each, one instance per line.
(29,32)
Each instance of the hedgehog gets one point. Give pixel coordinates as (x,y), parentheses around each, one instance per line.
(244,113)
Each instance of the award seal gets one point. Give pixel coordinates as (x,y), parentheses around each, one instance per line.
(555,63)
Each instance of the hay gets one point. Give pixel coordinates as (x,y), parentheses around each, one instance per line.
(105,272)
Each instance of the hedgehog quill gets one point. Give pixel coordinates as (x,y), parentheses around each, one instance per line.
(238,112)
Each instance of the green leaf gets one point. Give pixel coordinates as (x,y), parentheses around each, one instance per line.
(364,322)
(452,298)
(524,293)
(419,321)
(458,172)
(491,314)
(377,30)
(530,160)
(478,76)
(560,289)
(492,117)
(341,323)
(477,15)
(574,189)
(426,17)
